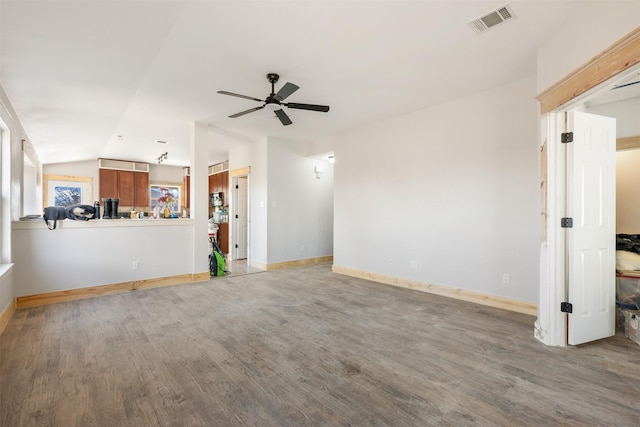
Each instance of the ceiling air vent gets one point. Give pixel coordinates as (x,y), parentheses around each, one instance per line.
(492,19)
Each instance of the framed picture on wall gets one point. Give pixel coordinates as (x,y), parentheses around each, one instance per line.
(168,195)
(61,190)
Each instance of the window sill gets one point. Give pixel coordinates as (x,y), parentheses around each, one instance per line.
(5,269)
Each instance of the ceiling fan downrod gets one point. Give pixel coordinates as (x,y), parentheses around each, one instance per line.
(273,79)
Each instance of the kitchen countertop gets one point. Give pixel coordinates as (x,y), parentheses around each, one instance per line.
(104,223)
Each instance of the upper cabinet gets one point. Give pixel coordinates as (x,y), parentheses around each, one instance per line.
(128,181)
(141,186)
(219,182)
(219,178)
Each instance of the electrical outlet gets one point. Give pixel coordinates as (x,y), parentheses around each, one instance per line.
(135,265)
(505,278)
(413,264)
(301,248)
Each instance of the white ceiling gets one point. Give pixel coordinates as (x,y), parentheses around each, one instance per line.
(81,73)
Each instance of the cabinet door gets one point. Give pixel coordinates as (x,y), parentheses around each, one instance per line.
(141,186)
(126,189)
(223,237)
(225,183)
(108,183)
(216,181)
(211,184)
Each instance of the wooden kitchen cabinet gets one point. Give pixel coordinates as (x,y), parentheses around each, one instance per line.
(212,184)
(126,190)
(108,183)
(132,188)
(141,186)
(219,182)
(223,237)
(224,182)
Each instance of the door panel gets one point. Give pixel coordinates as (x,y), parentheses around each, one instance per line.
(108,183)
(591,241)
(141,187)
(126,189)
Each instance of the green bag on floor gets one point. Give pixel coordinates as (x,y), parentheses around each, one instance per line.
(217,261)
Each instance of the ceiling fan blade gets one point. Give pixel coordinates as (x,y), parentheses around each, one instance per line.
(285,91)
(283,117)
(312,107)
(224,92)
(242,113)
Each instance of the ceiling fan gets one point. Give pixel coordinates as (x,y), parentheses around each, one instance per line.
(274,100)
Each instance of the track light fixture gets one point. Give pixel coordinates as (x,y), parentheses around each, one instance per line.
(163,157)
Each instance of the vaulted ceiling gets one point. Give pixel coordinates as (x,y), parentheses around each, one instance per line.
(108,78)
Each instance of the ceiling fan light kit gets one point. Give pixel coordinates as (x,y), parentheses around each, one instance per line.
(274,101)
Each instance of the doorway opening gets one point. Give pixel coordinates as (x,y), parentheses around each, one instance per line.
(553,325)
(239,251)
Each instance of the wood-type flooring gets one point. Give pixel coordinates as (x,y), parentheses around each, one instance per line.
(302,346)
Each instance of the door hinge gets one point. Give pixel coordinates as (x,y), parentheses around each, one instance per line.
(236,216)
(566,137)
(566,307)
(236,246)
(566,222)
(237,186)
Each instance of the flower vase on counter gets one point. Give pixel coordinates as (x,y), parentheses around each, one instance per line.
(166,199)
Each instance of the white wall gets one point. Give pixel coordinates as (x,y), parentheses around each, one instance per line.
(289,208)
(453,188)
(595,27)
(14,139)
(81,254)
(626,114)
(166,174)
(300,210)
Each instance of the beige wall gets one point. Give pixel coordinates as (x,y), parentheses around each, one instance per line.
(628,192)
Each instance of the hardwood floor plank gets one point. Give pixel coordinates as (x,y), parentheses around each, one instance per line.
(297,347)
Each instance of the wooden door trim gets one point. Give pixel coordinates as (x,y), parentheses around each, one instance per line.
(622,55)
(628,142)
(240,171)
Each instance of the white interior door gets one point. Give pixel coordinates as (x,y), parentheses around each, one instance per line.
(591,241)
(242,218)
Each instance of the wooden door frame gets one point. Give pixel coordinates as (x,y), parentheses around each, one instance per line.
(550,327)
